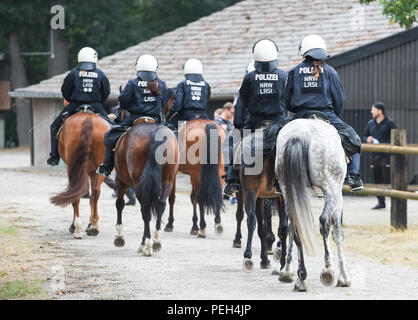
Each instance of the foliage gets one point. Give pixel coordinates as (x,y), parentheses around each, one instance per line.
(108,26)
(403,12)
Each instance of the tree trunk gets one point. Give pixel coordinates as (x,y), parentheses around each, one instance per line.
(59,63)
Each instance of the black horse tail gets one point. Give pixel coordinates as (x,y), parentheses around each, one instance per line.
(209,195)
(78,183)
(148,188)
(296,184)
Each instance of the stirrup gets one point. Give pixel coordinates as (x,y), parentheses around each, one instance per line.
(231,188)
(53,161)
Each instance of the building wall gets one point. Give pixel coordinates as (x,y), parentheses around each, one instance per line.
(43,112)
(391,77)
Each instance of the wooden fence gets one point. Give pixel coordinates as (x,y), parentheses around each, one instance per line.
(399,174)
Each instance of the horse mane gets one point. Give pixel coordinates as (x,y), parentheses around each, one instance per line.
(153,87)
(169,104)
(317,68)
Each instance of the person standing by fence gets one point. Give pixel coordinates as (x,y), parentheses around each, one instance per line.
(378,130)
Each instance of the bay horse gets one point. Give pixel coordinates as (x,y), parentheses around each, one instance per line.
(81,147)
(256,187)
(309,153)
(202,159)
(147,159)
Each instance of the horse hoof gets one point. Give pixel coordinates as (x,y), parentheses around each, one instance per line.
(168,228)
(300,286)
(141,249)
(194,232)
(236,244)
(265,265)
(277,255)
(78,236)
(119,242)
(156,246)
(345,284)
(72,228)
(286,277)
(218,229)
(248,265)
(201,234)
(92,231)
(327,277)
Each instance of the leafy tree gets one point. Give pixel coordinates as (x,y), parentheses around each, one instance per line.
(403,12)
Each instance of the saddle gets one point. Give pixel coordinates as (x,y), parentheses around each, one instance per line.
(85,108)
(270,131)
(350,140)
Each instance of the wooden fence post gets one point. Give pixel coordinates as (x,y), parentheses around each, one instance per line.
(399,176)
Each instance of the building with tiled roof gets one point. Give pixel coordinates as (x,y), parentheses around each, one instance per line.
(223,42)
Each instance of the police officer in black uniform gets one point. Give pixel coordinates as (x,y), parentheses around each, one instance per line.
(261,94)
(85,84)
(143,96)
(315,86)
(192,95)
(378,130)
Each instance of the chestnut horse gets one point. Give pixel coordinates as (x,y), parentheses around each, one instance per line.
(81,147)
(199,140)
(138,164)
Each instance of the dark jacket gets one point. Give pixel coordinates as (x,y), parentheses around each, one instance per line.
(261,94)
(85,87)
(379,131)
(192,95)
(139,101)
(304,92)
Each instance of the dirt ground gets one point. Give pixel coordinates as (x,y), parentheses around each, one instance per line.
(382,263)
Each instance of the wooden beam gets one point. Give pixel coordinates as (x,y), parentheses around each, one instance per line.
(386,148)
(367,191)
(399,176)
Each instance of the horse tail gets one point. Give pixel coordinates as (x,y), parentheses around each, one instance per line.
(209,195)
(296,183)
(149,185)
(78,183)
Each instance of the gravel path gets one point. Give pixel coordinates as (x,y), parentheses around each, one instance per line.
(186,267)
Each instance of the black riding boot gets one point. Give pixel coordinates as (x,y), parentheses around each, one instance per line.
(54,155)
(232,181)
(106,167)
(381,203)
(131,196)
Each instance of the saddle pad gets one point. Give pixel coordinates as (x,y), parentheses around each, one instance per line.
(144,119)
(117,142)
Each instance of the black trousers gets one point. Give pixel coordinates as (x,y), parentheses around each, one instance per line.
(380,165)
(68,111)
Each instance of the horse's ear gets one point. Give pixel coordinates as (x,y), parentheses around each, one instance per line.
(120,89)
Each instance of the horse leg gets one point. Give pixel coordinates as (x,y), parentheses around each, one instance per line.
(285,274)
(95,182)
(76,221)
(195,228)
(282,233)
(327,274)
(250,203)
(239,215)
(338,237)
(120,204)
(202,223)
(146,245)
(300,284)
(259,212)
(156,242)
(269,235)
(171,199)
(218,226)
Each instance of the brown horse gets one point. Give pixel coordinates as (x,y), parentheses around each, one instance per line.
(199,140)
(255,189)
(81,147)
(138,164)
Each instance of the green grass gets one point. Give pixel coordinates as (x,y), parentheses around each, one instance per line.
(19,289)
(8,230)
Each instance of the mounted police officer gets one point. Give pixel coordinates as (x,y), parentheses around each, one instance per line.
(260,98)
(84,85)
(192,95)
(315,86)
(143,97)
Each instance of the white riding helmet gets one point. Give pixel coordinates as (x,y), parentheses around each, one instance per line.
(265,50)
(313,46)
(146,67)
(87,58)
(193,66)
(250,67)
